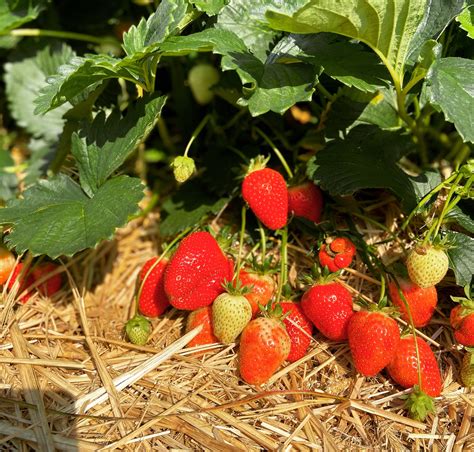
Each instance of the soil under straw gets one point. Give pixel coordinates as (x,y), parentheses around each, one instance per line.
(70,381)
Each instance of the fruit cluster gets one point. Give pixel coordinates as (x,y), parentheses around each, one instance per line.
(228,301)
(28,278)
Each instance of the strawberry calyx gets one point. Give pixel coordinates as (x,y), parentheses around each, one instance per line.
(419,404)
(381,307)
(236,288)
(273,310)
(266,267)
(466,302)
(183,168)
(320,276)
(257,163)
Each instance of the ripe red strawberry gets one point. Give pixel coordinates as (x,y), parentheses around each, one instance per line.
(329,306)
(265,191)
(403,367)
(427,265)
(467,370)
(264,346)
(263,288)
(26,280)
(201,316)
(462,321)
(7,262)
(373,339)
(337,254)
(421,301)
(306,201)
(51,284)
(230,314)
(299,329)
(153,301)
(195,272)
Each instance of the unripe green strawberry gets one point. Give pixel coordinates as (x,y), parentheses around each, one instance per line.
(201,79)
(467,370)
(230,315)
(427,265)
(183,168)
(138,330)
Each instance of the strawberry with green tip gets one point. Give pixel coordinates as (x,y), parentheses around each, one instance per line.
(373,340)
(462,319)
(138,330)
(421,301)
(201,317)
(196,272)
(264,347)
(299,329)
(337,253)
(152,298)
(427,265)
(467,369)
(306,201)
(231,312)
(266,193)
(403,367)
(328,304)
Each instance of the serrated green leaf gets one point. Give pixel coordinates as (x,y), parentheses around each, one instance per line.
(154,30)
(366,158)
(24,78)
(55,217)
(14,13)
(80,76)
(210,7)
(8,181)
(387,27)
(188,207)
(438,14)
(247,20)
(450,85)
(463,214)
(349,62)
(102,146)
(466,21)
(461,257)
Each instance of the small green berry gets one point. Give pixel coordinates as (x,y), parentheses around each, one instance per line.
(183,168)
(138,330)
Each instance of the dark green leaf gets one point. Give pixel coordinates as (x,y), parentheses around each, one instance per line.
(188,207)
(387,27)
(449,85)
(24,79)
(463,214)
(102,147)
(55,217)
(422,185)
(8,181)
(438,14)
(461,257)
(366,158)
(14,13)
(466,21)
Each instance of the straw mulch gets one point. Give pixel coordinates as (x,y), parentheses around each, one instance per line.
(70,381)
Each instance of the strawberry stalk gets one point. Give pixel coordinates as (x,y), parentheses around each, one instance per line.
(160,258)
(283,263)
(263,240)
(275,150)
(196,132)
(241,241)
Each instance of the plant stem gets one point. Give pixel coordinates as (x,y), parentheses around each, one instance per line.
(283,261)
(196,132)
(263,241)
(241,241)
(36,32)
(275,150)
(325,92)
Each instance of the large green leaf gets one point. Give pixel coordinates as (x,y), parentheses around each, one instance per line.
(438,14)
(8,181)
(55,217)
(366,158)
(463,214)
(349,62)
(101,147)
(460,255)
(466,21)
(188,207)
(154,30)
(386,26)
(450,85)
(24,78)
(14,13)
